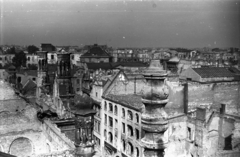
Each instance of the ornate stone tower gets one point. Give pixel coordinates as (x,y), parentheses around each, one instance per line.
(42,72)
(82,108)
(154,118)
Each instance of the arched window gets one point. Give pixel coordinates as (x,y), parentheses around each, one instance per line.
(137,118)
(129,130)
(21,147)
(110,137)
(129,149)
(123,113)
(130,115)
(110,107)
(115,110)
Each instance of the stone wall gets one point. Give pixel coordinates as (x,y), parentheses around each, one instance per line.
(54,135)
(214,93)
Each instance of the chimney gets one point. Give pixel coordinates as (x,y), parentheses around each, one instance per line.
(185,97)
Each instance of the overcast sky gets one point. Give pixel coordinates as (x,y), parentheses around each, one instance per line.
(121,24)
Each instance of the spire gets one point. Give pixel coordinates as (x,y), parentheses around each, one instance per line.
(154,118)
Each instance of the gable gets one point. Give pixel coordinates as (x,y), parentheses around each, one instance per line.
(110,82)
(189,74)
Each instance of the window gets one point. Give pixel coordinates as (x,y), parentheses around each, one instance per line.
(129,149)
(98,127)
(129,130)
(78,81)
(110,107)
(95,125)
(189,133)
(105,119)
(116,134)
(52,56)
(137,134)
(137,152)
(28,58)
(123,113)
(137,118)
(96,94)
(130,116)
(105,134)
(110,137)
(116,123)
(105,105)
(110,121)
(123,145)
(123,128)
(115,110)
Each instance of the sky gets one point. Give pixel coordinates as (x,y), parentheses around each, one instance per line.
(188,24)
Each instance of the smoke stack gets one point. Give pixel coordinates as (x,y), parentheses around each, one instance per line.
(185,97)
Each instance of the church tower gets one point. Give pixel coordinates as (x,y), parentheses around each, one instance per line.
(64,76)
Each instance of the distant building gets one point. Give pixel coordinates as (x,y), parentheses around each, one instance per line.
(96,54)
(47,47)
(210,74)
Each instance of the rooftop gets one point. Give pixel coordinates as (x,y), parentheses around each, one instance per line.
(28,72)
(131,100)
(207,72)
(95,66)
(96,51)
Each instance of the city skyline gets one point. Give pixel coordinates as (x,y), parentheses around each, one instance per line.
(121,23)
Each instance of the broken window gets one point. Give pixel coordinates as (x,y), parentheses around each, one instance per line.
(228,143)
(130,115)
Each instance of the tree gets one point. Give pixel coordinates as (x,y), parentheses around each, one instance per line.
(32,49)
(19,60)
